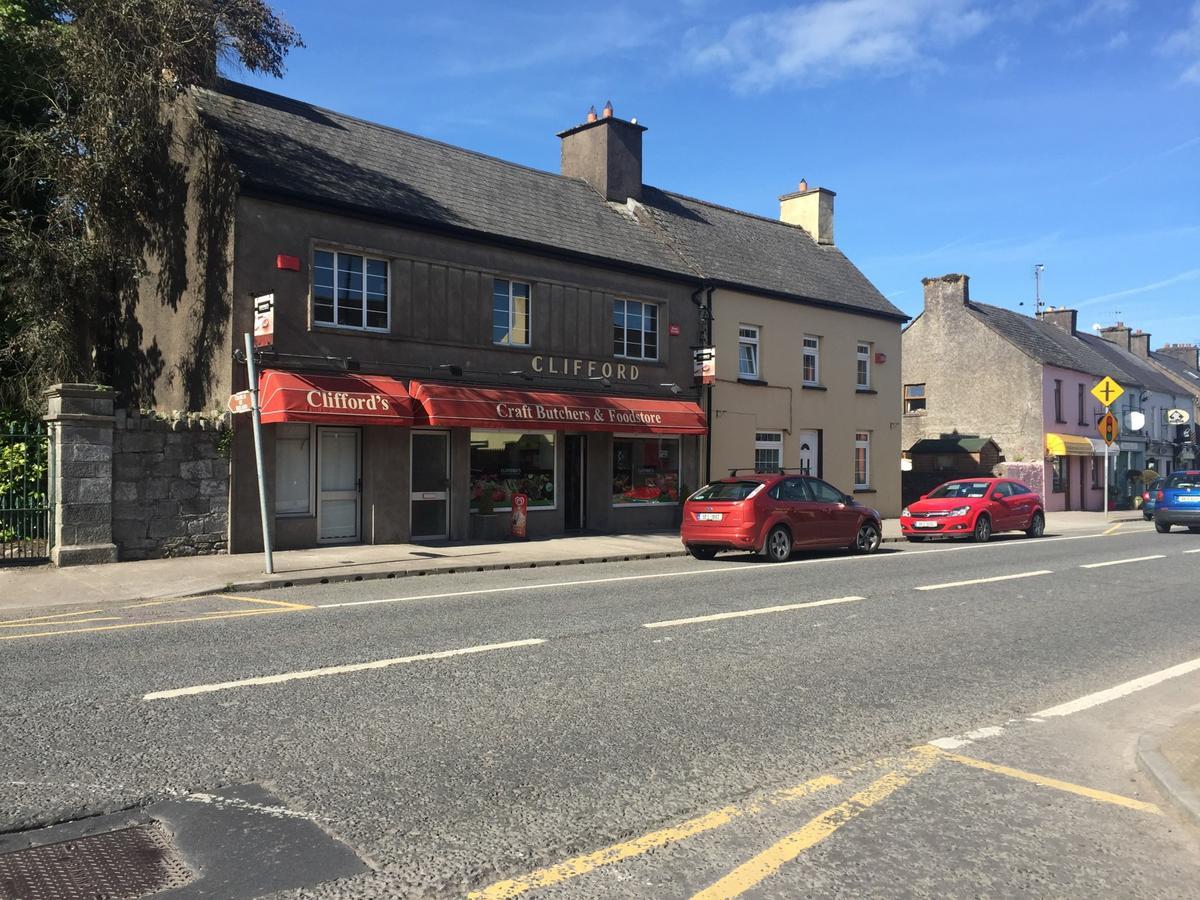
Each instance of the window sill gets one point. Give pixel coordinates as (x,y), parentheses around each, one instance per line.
(916,415)
(865,391)
(814,387)
(865,490)
(752,381)
(350,329)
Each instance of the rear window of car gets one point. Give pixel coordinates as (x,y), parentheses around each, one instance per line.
(956,489)
(1183,481)
(726,490)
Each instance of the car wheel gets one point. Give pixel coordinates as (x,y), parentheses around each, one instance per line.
(1147,516)
(868,538)
(1162,527)
(702,552)
(1037,527)
(983,530)
(779,544)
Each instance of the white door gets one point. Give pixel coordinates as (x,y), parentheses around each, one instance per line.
(337,485)
(809,442)
(430,484)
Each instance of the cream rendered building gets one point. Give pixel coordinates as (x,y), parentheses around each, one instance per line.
(810,381)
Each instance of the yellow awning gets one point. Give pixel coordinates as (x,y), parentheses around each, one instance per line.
(1067,445)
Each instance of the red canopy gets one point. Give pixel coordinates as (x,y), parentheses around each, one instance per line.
(333,399)
(451,405)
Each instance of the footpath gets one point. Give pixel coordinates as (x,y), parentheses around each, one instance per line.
(40,586)
(1172,761)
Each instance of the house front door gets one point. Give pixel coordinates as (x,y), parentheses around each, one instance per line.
(809,442)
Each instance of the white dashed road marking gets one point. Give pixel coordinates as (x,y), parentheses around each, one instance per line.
(1121,562)
(954,584)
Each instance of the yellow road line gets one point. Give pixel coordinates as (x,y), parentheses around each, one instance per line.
(70,615)
(581,865)
(159,602)
(754,870)
(1044,781)
(207,618)
(61,623)
(283,603)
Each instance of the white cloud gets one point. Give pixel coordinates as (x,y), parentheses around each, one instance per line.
(1190,275)
(1100,11)
(1117,41)
(830,39)
(1186,43)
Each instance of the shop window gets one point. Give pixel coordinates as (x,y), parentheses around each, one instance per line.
(914,399)
(510,313)
(748,351)
(768,451)
(504,463)
(349,291)
(1058,473)
(863,370)
(812,359)
(645,471)
(862,460)
(635,329)
(294,464)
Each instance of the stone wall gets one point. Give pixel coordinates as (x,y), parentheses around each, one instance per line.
(170,486)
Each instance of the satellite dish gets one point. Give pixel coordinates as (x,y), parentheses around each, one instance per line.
(1136,421)
(1096,326)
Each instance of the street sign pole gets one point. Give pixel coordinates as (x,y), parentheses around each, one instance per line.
(258,455)
(1107,447)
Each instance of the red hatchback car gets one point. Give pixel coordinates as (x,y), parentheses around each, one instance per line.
(774,513)
(976,508)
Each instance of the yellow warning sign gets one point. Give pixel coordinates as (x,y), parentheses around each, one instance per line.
(1107,391)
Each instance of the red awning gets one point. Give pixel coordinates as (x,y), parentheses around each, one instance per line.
(451,405)
(333,399)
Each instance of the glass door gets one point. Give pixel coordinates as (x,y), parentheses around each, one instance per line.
(338,485)
(430,484)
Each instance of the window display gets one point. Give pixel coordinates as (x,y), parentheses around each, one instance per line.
(645,470)
(504,463)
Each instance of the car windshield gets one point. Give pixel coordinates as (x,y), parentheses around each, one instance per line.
(1184,481)
(958,489)
(726,490)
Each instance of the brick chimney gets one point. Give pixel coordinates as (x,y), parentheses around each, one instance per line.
(1117,334)
(606,152)
(946,294)
(1188,354)
(1139,344)
(1066,319)
(810,209)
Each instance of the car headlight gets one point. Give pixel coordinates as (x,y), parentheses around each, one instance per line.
(905,512)
(961,511)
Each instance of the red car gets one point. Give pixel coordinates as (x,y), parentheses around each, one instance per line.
(774,513)
(976,508)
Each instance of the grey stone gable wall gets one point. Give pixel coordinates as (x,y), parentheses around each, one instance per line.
(170,486)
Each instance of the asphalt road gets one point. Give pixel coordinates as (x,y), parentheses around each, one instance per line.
(771,754)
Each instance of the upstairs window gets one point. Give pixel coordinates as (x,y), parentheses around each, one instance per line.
(1058,408)
(350,291)
(914,399)
(635,329)
(812,359)
(748,351)
(864,367)
(1082,405)
(510,313)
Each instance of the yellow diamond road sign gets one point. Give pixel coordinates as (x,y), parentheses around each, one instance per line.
(1107,391)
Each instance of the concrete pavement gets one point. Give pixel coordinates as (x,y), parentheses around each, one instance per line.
(24,588)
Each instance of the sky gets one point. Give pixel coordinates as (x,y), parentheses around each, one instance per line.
(960,135)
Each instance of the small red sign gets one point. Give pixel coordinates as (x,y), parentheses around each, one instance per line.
(880,359)
(240,402)
(289,263)
(520,514)
(674,330)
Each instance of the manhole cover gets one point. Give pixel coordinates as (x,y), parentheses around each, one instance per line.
(117,865)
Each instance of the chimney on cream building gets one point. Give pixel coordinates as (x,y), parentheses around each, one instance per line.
(810,209)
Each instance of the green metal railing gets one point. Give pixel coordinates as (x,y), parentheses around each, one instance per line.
(25,503)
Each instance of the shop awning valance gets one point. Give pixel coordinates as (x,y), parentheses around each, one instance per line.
(1067,445)
(460,406)
(333,399)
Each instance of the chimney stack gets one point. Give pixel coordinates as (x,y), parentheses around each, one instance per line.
(1139,344)
(947,293)
(1117,334)
(1066,319)
(1188,354)
(810,209)
(606,152)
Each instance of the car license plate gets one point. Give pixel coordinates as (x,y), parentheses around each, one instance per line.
(925,524)
(1189,499)
(710,517)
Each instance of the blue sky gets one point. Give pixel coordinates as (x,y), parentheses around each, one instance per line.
(960,135)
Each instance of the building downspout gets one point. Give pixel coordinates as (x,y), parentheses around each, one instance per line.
(708,400)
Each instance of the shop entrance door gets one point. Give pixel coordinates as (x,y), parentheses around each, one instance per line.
(339,485)
(575,483)
(430,485)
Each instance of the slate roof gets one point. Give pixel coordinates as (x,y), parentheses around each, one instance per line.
(290,148)
(1044,341)
(1179,368)
(1136,369)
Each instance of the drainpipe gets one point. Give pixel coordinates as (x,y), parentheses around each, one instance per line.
(708,400)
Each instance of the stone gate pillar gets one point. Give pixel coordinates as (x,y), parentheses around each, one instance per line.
(80,478)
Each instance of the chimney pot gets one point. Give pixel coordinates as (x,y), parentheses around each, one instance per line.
(803,186)
(608,110)
(591,113)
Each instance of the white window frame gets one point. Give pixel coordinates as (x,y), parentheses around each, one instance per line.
(366,258)
(312,472)
(768,440)
(509,342)
(862,364)
(644,304)
(924,398)
(862,441)
(748,336)
(612,461)
(812,347)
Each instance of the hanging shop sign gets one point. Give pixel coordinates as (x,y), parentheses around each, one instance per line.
(1178,417)
(264,320)
(704,365)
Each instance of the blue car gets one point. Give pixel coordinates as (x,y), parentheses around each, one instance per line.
(1177,502)
(1150,497)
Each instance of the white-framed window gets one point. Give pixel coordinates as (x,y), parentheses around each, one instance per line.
(812,359)
(635,329)
(645,471)
(748,351)
(504,463)
(350,290)
(914,399)
(768,451)
(510,313)
(862,459)
(295,462)
(863,353)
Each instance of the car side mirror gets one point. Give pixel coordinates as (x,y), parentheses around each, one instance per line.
(924,496)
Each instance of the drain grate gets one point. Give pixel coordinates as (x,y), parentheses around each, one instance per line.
(117,865)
